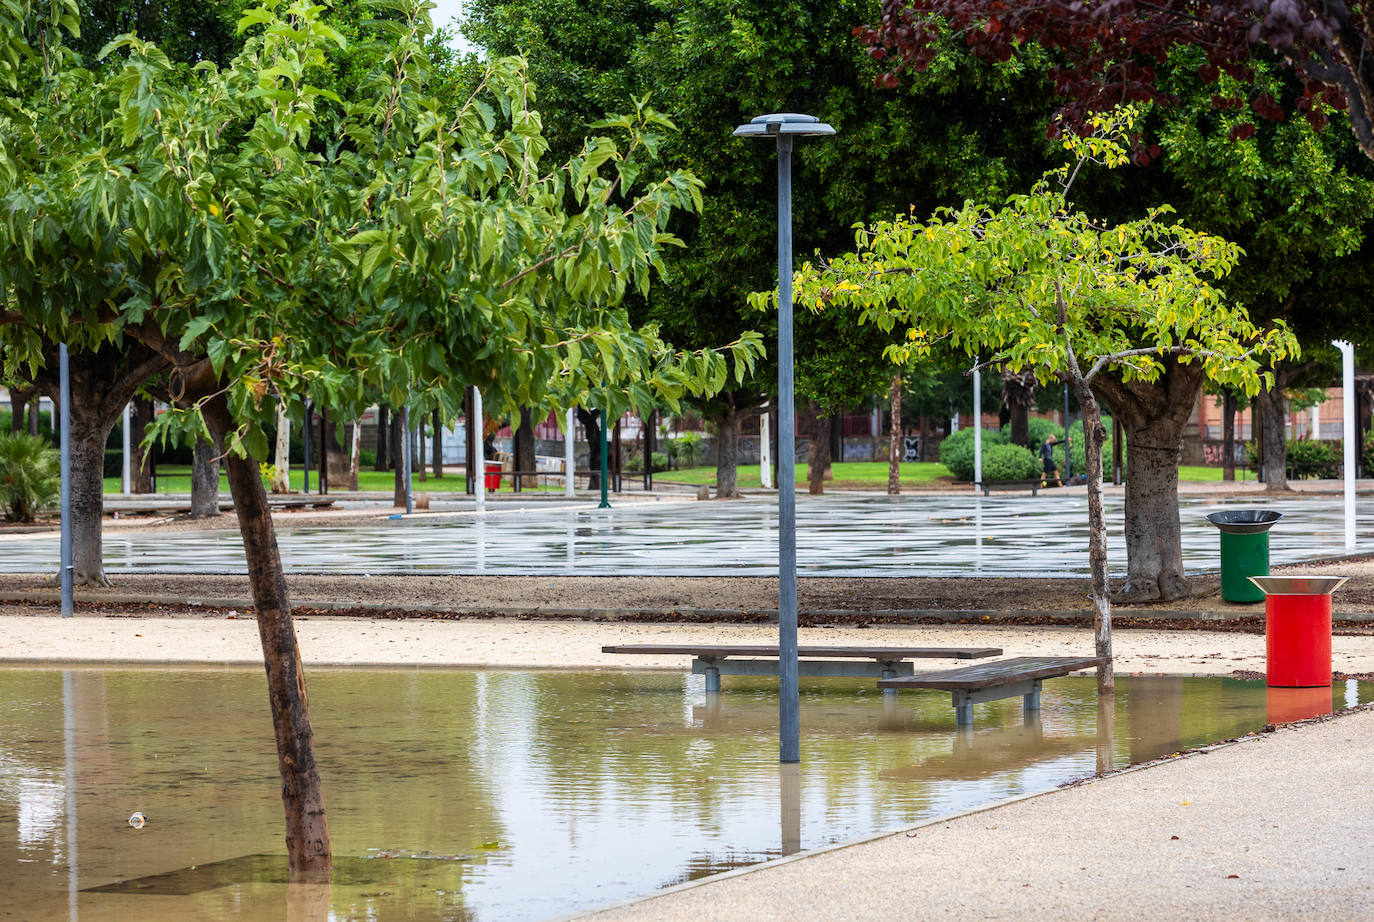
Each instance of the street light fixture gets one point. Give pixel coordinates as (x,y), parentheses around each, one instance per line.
(784,126)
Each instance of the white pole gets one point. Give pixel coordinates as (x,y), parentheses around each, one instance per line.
(954,422)
(568,451)
(977,426)
(765,451)
(477,450)
(1316,432)
(1348,399)
(126,470)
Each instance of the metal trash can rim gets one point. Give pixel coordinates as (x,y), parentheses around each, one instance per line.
(1298,585)
(1244,521)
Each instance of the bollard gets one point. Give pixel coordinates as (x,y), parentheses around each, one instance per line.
(1244,550)
(1297,629)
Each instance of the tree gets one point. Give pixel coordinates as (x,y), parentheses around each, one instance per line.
(268,242)
(710,65)
(1113,50)
(1036,285)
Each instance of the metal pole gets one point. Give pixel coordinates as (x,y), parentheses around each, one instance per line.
(305,430)
(605,454)
(568,454)
(405,458)
(126,468)
(789,701)
(480,452)
(1348,399)
(65,409)
(977,423)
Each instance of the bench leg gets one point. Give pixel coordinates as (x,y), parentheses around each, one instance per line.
(963,708)
(1030,701)
(889,694)
(712,679)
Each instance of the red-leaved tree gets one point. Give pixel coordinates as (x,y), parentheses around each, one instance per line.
(1109,49)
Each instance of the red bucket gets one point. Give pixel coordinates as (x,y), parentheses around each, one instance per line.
(1297,629)
(493,475)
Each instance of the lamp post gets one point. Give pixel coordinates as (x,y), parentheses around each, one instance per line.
(64,409)
(784,127)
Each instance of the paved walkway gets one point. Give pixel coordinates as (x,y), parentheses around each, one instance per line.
(944,534)
(1276,827)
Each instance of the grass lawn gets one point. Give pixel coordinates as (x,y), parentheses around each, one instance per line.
(849,475)
(176,478)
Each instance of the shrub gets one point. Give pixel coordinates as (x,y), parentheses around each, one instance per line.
(660,461)
(28,476)
(956,451)
(1009,462)
(1079,454)
(1313,458)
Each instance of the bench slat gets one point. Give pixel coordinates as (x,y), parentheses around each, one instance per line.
(991,675)
(878,653)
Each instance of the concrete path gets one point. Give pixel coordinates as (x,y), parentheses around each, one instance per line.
(944,534)
(1279,827)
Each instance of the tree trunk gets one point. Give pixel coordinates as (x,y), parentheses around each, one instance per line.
(894,438)
(727,453)
(103,381)
(355,453)
(140,420)
(1094,437)
(419,447)
(1153,416)
(383,432)
(338,462)
(1273,455)
(281,481)
(88,497)
(592,429)
(524,443)
(1228,436)
(204,481)
(19,402)
(437,455)
(307,832)
(34,420)
(818,458)
(398,458)
(1018,396)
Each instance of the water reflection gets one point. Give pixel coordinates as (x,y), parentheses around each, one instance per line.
(485,795)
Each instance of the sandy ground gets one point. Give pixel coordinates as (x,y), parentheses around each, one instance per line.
(502,643)
(1275,827)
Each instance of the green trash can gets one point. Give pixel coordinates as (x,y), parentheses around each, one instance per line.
(1244,550)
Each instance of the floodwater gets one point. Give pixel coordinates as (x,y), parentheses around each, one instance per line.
(873,535)
(482,795)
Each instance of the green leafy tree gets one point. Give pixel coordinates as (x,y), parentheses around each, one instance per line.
(424,245)
(965,130)
(1034,284)
(28,475)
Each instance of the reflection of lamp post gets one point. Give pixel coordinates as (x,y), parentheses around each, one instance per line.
(784,127)
(65,440)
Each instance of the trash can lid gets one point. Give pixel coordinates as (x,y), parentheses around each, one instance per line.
(1244,521)
(1298,585)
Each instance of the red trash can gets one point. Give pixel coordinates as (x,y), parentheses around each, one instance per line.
(493,475)
(1297,629)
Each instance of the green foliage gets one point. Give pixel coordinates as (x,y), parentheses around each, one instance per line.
(1034,284)
(1006,462)
(1312,458)
(387,236)
(28,476)
(686,445)
(956,451)
(1078,452)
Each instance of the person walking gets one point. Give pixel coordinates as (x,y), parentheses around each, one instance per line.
(1051,477)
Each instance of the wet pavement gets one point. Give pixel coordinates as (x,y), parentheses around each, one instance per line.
(837,535)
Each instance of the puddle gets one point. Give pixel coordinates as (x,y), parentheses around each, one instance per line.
(481,795)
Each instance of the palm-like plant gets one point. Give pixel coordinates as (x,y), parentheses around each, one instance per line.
(28,476)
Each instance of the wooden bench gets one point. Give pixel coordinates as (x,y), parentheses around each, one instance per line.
(713,661)
(1006,678)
